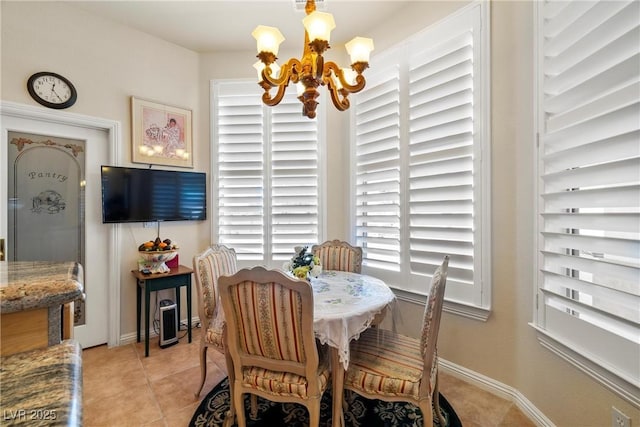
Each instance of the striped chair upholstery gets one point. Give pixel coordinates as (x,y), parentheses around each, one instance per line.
(208,266)
(388,366)
(271,340)
(339,255)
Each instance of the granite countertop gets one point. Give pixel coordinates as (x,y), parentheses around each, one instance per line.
(43,387)
(26,285)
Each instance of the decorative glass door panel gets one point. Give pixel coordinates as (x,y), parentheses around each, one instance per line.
(46,183)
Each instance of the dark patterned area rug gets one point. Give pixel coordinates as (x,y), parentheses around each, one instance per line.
(360,412)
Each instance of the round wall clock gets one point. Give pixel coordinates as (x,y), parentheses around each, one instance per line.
(52,90)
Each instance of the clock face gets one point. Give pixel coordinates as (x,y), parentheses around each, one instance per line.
(52,90)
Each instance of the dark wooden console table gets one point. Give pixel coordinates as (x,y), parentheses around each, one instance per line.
(177,277)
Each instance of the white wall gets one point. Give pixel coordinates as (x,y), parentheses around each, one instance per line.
(109,63)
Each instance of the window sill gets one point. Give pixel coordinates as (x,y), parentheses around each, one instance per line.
(618,385)
(453,307)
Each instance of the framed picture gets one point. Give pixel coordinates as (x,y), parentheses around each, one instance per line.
(161,134)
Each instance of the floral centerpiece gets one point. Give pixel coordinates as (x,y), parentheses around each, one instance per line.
(304,263)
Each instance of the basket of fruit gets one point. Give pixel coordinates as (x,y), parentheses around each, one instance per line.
(155,253)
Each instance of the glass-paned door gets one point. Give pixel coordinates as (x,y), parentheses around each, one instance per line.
(46,180)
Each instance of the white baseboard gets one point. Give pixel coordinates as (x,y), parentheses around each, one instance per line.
(132,337)
(499,389)
(489,384)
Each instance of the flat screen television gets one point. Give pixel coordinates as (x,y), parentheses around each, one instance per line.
(144,195)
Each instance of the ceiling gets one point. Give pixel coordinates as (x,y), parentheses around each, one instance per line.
(226,25)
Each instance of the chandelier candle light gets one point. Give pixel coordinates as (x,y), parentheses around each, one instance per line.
(311,71)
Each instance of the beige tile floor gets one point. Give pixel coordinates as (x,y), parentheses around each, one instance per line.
(123,388)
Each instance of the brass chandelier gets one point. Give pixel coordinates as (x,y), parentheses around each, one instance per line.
(311,71)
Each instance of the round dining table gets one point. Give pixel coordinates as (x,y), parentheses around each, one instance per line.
(345,305)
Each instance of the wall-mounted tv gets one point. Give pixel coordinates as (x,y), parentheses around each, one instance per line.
(144,195)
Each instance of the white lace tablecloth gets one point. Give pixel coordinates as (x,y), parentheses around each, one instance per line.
(345,304)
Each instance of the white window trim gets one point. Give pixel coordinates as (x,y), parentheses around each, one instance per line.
(485,208)
(452,307)
(593,369)
(616,384)
(482,310)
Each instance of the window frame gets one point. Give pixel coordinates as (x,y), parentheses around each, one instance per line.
(607,376)
(477,307)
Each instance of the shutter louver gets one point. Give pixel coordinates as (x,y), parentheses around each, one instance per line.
(589,167)
(377,129)
(240,172)
(294,178)
(267,174)
(441,174)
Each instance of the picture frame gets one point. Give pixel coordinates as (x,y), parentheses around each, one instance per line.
(161,134)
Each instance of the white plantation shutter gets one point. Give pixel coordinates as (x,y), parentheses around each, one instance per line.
(240,169)
(421,125)
(294,178)
(377,130)
(266,168)
(589,183)
(441,157)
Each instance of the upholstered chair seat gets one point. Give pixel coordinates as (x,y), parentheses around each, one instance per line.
(389,366)
(392,370)
(208,266)
(214,333)
(288,384)
(271,340)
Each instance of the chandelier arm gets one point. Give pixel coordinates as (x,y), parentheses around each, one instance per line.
(355,88)
(288,71)
(341,103)
(268,100)
(318,67)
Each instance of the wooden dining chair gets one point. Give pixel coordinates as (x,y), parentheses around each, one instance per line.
(339,255)
(208,266)
(388,366)
(271,340)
